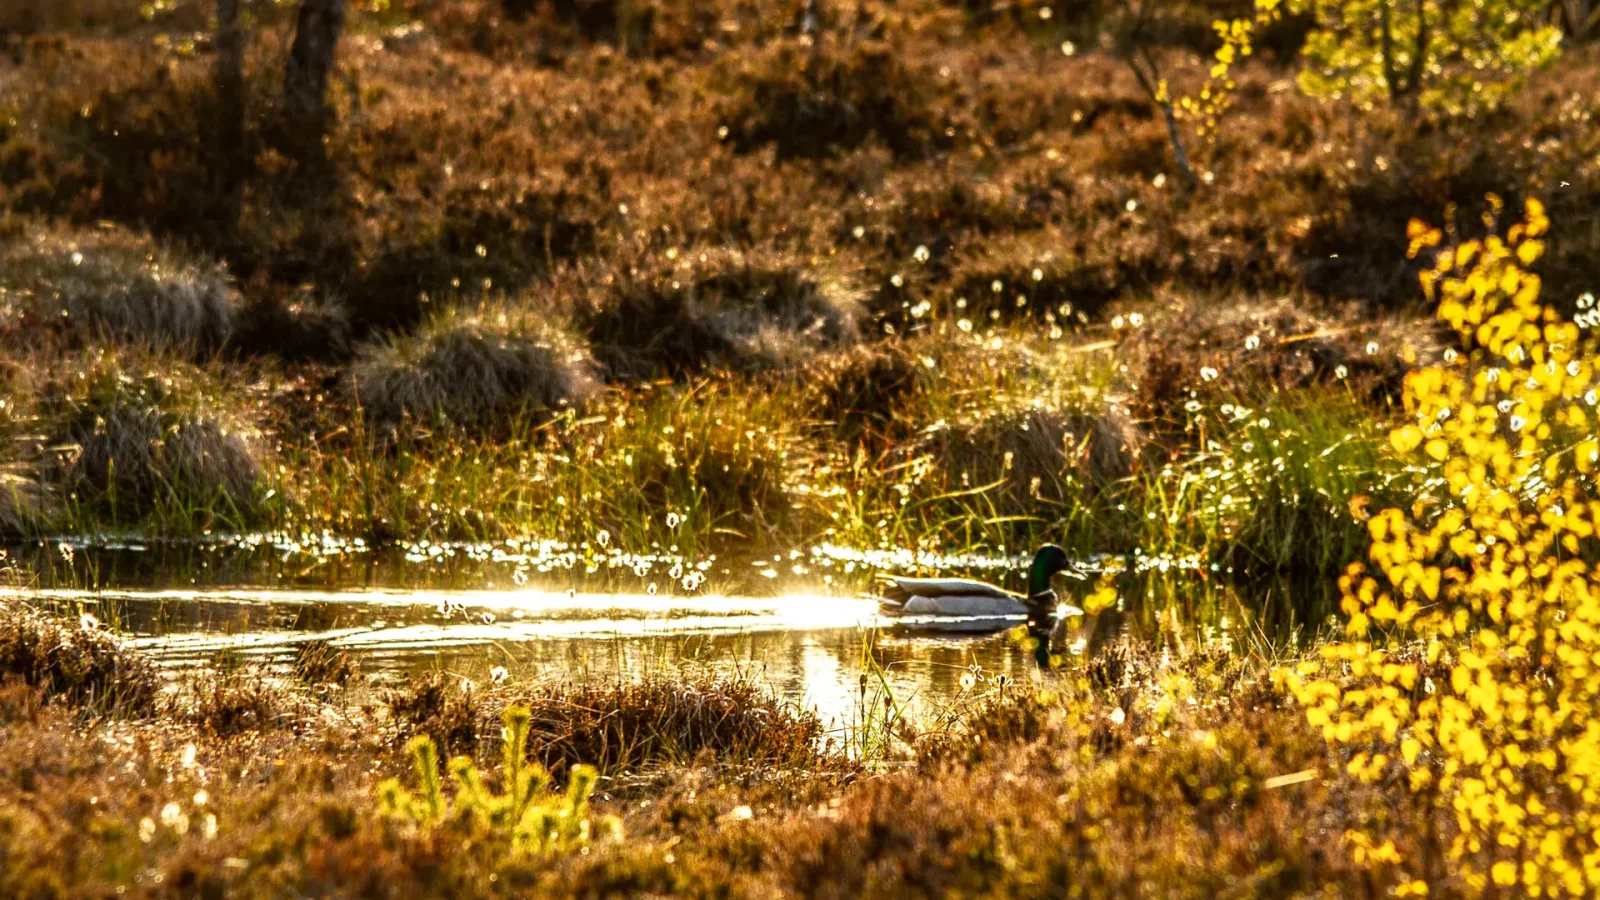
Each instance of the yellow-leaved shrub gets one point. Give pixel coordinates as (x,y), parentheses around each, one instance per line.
(1470,664)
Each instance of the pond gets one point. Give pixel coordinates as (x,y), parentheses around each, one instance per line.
(801,622)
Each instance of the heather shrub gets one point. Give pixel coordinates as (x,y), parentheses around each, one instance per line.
(81,16)
(489,230)
(678,313)
(432,705)
(233,702)
(299,325)
(937,203)
(1034,275)
(474,366)
(111,285)
(128,136)
(617,726)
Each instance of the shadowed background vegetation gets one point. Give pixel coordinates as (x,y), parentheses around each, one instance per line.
(919,273)
(735,277)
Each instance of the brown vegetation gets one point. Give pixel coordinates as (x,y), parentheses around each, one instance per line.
(79,664)
(1181,772)
(859,392)
(1037,451)
(622,726)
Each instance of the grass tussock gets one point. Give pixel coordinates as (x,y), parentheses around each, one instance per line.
(234,701)
(862,390)
(444,709)
(1041,452)
(147,433)
(1019,439)
(319,663)
(681,313)
(474,367)
(112,286)
(1255,350)
(626,726)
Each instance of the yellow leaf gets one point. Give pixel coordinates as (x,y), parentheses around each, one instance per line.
(1406,438)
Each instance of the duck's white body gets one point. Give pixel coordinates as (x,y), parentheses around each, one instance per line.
(958,603)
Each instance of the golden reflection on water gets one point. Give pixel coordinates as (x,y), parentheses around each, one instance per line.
(810,648)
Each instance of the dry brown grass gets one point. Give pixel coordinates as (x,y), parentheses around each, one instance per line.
(232,702)
(661,720)
(814,101)
(319,663)
(1034,274)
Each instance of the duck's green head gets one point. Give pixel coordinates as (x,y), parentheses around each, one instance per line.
(1042,600)
(1046,563)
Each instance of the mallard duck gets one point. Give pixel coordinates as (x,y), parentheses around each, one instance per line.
(960,604)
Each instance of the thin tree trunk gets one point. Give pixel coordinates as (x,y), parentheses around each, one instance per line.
(305,80)
(1175,134)
(230,99)
(808,23)
(1391,77)
(1420,53)
(1150,82)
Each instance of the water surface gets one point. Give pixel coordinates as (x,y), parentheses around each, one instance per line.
(800,622)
